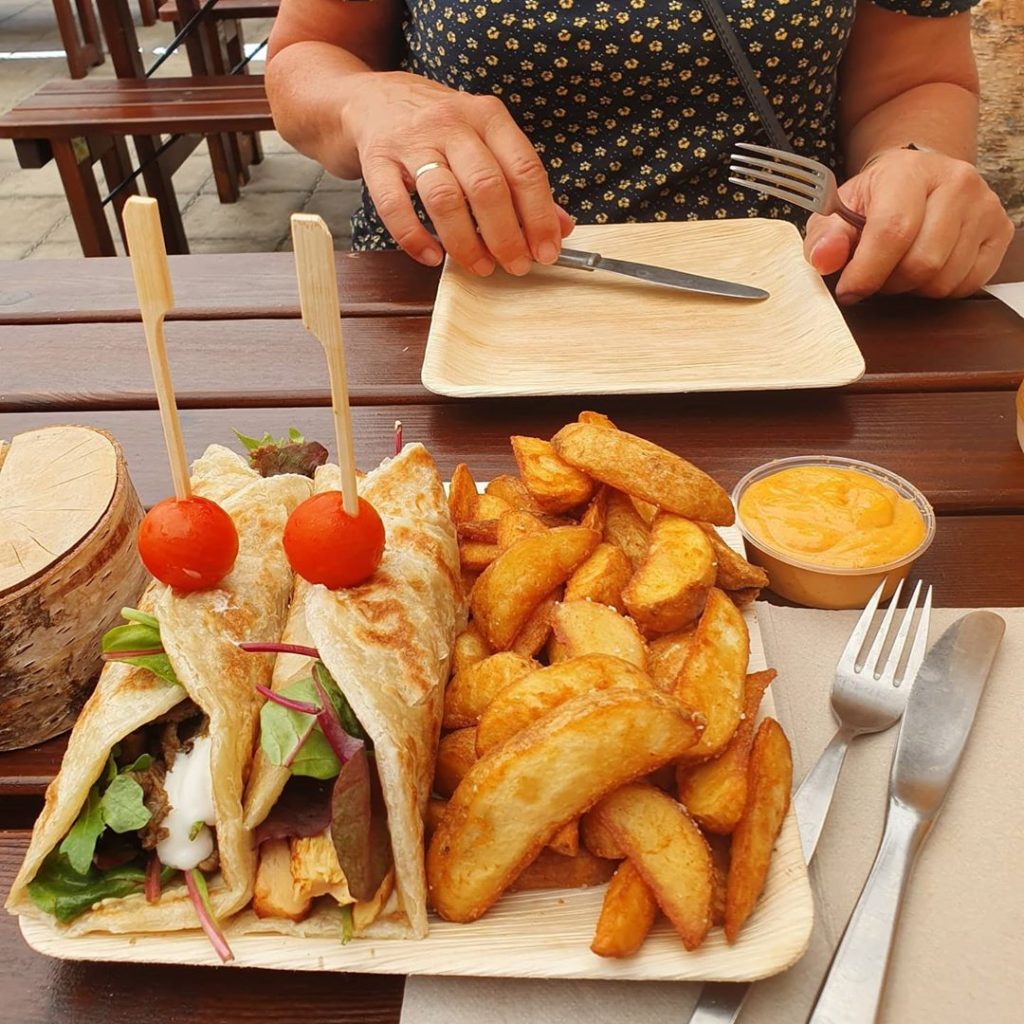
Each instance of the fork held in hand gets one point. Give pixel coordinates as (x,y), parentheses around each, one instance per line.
(867,696)
(791,178)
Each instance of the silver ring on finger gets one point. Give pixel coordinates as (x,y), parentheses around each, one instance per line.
(433,165)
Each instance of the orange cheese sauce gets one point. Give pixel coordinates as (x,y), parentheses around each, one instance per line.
(838,518)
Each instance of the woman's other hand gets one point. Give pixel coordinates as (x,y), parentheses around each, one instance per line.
(934,228)
(488,198)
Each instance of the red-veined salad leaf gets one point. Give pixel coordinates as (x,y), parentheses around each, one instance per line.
(302,809)
(138,643)
(200,897)
(152,883)
(359,826)
(291,454)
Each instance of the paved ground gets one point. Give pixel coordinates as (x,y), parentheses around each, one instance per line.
(34,219)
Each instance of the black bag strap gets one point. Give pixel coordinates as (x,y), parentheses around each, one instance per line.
(751,86)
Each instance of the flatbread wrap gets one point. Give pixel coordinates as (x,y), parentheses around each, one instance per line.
(167,733)
(341,844)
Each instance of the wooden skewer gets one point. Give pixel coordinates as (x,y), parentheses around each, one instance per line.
(153,286)
(321,315)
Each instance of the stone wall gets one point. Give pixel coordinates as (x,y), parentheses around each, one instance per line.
(999,45)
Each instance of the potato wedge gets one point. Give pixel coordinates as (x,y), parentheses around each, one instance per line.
(531,639)
(644,470)
(601,578)
(624,527)
(566,840)
(743,597)
(275,893)
(456,754)
(734,571)
(515,799)
(490,506)
(668,590)
(551,870)
(475,556)
(595,417)
(598,839)
(555,485)
(769,784)
(516,525)
(521,703)
(585,627)
(435,812)
(463,494)
(715,674)
(645,510)
(483,531)
(715,792)
(719,846)
(512,490)
(668,851)
(597,510)
(469,692)
(470,647)
(627,914)
(512,586)
(666,656)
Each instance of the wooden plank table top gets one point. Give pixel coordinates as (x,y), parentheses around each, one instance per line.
(937,405)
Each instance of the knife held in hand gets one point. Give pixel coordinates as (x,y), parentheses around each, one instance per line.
(579,260)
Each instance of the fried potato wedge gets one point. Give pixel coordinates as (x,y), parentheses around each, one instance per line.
(597,418)
(463,494)
(512,586)
(743,597)
(515,799)
(435,812)
(734,571)
(769,784)
(666,656)
(668,590)
(469,692)
(521,703)
(596,511)
(566,840)
(512,490)
(475,556)
(644,470)
(552,870)
(554,484)
(478,530)
(585,627)
(601,578)
(456,754)
(275,892)
(531,639)
(599,840)
(645,509)
(624,527)
(715,674)
(516,525)
(715,792)
(668,851)
(490,506)
(719,846)
(470,647)
(627,914)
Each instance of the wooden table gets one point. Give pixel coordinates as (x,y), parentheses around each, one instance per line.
(936,404)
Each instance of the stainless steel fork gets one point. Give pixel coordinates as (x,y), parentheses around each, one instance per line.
(868,695)
(793,179)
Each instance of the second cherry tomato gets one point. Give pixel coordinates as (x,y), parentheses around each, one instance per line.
(188,543)
(326,545)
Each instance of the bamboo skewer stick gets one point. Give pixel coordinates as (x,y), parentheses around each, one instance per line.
(321,316)
(153,285)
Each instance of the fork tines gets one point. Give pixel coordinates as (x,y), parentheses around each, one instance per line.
(791,178)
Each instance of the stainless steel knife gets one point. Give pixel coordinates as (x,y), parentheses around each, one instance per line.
(940,713)
(578,260)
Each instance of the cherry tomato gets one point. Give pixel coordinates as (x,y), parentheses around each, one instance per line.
(188,543)
(326,545)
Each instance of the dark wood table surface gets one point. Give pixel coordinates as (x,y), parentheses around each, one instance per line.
(936,404)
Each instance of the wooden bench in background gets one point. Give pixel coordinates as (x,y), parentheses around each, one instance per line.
(80,123)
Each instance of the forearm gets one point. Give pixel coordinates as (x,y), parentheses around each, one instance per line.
(936,115)
(310,86)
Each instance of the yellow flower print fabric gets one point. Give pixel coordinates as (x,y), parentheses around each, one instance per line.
(633,105)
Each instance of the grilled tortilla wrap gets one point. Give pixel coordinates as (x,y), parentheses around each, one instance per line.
(387,644)
(199,632)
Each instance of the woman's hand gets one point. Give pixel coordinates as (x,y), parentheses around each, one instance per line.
(934,228)
(489,200)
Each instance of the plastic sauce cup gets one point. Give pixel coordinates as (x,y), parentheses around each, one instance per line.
(819,586)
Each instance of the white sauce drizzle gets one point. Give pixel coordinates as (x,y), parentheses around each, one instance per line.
(189,786)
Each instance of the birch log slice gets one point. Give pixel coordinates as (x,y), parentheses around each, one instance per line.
(68,564)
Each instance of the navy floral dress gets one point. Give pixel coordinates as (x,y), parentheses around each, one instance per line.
(633,105)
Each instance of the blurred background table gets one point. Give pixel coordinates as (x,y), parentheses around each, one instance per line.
(936,404)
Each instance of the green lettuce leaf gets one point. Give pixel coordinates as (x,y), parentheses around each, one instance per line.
(342,708)
(281,731)
(123,807)
(79,844)
(141,634)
